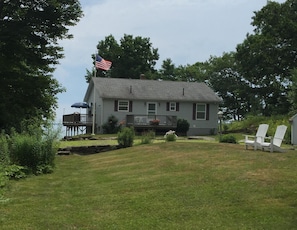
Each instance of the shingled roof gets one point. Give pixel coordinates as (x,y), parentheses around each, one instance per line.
(137,89)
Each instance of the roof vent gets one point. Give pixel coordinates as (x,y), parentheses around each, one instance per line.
(183,91)
(130,88)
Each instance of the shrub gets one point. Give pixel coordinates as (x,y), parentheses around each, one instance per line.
(4,149)
(171,137)
(228,139)
(111,126)
(126,137)
(182,126)
(3,178)
(15,172)
(148,137)
(34,150)
(26,151)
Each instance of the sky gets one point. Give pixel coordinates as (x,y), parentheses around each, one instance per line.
(186,31)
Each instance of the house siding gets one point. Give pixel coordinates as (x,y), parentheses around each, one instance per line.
(140,92)
(197,127)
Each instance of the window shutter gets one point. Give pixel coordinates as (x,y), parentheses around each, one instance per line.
(177,106)
(130,106)
(207,111)
(194,111)
(167,106)
(116,105)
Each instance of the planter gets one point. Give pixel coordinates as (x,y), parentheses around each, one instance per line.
(154,122)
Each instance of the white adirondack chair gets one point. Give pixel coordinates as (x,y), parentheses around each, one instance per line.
(257,140)
(276,141)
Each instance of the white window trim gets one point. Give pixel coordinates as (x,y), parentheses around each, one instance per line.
(170,107)
(198,104)
(149,110)
(119,107)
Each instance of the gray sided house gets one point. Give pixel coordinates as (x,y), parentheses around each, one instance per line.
(147,104)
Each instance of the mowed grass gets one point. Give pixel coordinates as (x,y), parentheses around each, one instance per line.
(172,185)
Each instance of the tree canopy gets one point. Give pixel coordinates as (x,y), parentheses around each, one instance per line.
(130,57)
(29,35)
(267,57)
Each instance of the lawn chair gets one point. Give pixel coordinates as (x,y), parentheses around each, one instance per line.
(257,140)
(276,141)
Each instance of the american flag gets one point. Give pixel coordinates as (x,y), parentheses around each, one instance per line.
(102,64)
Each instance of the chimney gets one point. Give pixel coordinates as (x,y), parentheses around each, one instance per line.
(142,77)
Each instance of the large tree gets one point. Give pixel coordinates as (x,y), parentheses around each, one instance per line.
(29,49)
(130,58)
(225,79)
(266,57)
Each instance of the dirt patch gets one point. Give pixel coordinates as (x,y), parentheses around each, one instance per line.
(86,150)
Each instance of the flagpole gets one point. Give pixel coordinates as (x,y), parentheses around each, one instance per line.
(94,98)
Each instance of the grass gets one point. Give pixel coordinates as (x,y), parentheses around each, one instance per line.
(176,185)
(111,140)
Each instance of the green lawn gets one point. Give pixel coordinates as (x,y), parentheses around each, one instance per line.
(176,185)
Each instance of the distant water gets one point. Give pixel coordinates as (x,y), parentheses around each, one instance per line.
(58,126)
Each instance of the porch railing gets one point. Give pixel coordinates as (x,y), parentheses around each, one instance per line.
(151,121)
(77,119)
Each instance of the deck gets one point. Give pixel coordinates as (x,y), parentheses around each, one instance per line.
(77,123)
(157,122)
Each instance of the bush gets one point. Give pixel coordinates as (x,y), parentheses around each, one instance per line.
(34,150)
(228,139)
(182,126)
(148,137)
(111,126)
(126,137)
(4,149)
(15,172)
(171,137)
(3,178)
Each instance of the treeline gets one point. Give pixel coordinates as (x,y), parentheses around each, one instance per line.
(29,50)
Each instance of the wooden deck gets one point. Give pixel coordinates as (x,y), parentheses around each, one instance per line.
(77,123)
(156,122)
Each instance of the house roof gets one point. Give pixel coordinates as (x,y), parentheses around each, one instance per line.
(138,89)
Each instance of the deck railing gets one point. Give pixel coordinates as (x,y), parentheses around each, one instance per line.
(151,121)
(77,119)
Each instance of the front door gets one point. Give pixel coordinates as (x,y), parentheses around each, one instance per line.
(152,108)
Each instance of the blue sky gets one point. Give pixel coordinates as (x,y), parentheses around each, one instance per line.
(187,31)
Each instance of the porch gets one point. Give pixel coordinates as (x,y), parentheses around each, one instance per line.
(151,121)
(77,123)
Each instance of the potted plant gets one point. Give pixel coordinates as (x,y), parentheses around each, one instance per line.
(155,122)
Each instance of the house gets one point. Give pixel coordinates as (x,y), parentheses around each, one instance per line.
(146,104)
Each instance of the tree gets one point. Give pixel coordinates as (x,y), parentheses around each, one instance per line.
(29,35)
(292,95)
(266,57)
(225,79)
(189,73)
(167,71)
(130,58)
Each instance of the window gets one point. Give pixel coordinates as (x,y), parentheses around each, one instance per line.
(200,111)
(172,106)
(151,108)
(123,106)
